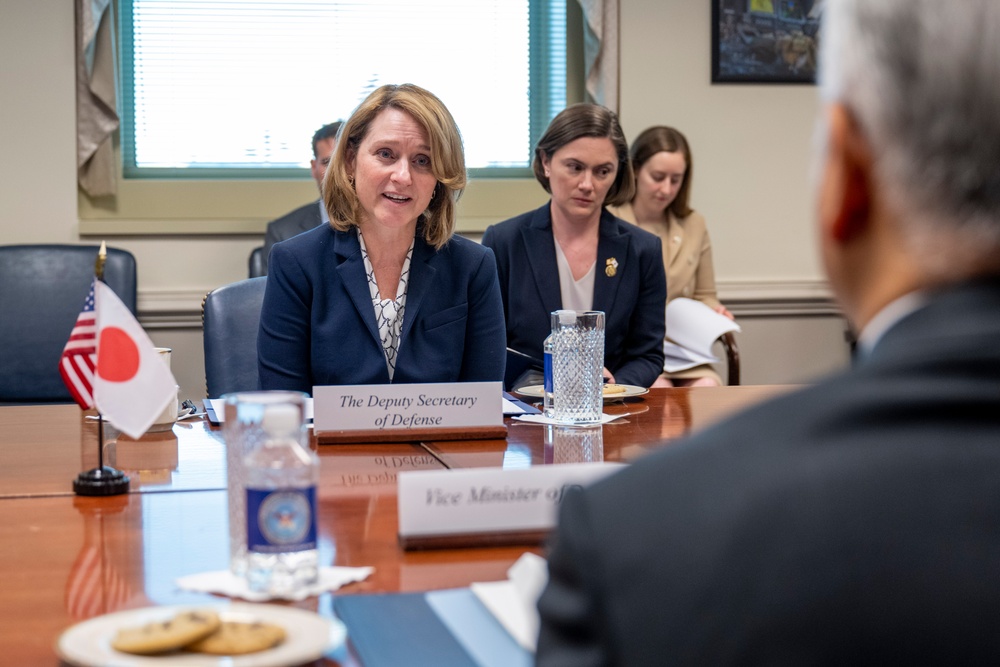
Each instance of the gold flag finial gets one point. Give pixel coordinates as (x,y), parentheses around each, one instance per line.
(102,255)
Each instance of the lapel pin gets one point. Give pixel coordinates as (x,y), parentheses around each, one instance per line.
(611,267)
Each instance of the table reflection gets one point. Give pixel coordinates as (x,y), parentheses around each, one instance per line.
(149,461)
(107,572)
(574,444)
(647,423)
(352,470)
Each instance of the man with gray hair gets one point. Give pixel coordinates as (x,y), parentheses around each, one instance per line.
(856,521)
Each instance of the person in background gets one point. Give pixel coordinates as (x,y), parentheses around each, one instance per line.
(313,214)
(663,168)
(573,254)
(385,292)
(853,522)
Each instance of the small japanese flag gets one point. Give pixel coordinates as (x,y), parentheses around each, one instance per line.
(132,384)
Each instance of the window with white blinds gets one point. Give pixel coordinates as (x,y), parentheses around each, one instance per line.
(236,88)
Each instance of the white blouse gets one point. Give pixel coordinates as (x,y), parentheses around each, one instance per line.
(576,295)
(388,312)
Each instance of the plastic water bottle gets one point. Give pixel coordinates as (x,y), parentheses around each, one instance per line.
(547,406)
(281,478)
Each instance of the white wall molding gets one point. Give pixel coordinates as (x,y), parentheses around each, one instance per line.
(777,298)
(176,301)
(773,290)
(160,308)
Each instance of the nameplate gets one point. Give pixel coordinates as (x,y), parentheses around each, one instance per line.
(408,412)
(486,506)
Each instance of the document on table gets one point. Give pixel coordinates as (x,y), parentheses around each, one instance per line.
(514,406)
(514,601)
(692,329)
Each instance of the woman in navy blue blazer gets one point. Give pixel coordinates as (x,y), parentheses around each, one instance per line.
(385,292)
(574,254)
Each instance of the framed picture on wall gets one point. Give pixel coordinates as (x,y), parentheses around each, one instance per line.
(765,41)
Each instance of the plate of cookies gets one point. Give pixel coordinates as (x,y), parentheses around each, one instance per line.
(612,392)
(211,635)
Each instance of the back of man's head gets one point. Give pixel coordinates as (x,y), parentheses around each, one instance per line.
(922,80)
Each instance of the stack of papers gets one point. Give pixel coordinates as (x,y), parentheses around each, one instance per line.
(692,329)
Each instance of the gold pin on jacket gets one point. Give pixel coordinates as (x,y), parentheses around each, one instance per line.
(611,267)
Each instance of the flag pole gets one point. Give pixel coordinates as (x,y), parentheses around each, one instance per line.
(102,480)
(102,257)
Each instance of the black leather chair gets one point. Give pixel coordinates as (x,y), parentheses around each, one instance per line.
(230,316)
(42,289)
(256,262)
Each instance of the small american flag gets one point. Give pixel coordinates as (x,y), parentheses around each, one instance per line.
(79,357)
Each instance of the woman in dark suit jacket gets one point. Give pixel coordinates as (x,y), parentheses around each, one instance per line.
(385,293)
(573,254)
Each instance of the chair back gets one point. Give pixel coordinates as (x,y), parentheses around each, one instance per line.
(728,341)
(516,370)
(231,317)
(256,262)
(42,290)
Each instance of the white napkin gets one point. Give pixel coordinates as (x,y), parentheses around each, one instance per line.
(513,602)
(226,583)
(542,419)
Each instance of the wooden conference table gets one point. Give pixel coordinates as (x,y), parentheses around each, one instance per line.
(67,558)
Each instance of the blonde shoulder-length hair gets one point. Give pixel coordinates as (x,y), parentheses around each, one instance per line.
(447,159)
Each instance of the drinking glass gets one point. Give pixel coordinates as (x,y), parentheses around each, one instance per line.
(577,366)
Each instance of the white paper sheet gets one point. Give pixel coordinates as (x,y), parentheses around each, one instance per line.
(513,602)
(692,329)
(676,358)
(511,408)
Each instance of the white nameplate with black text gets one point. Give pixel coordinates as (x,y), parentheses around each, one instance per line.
(368,407)
(482,501)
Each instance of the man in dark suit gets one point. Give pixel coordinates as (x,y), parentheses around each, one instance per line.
(856,521)
(312,214)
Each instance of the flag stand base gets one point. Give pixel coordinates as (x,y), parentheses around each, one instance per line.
(103,481)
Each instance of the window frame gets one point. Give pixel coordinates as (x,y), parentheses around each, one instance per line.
(542,87)
(242,207)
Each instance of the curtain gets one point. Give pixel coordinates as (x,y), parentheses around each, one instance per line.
(96,107)
(601,51)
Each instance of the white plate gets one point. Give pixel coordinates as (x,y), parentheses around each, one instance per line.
(538,391)
(308,637)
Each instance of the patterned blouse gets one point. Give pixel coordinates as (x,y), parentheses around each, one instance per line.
(388,312)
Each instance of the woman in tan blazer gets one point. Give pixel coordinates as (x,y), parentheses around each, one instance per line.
(661,159)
